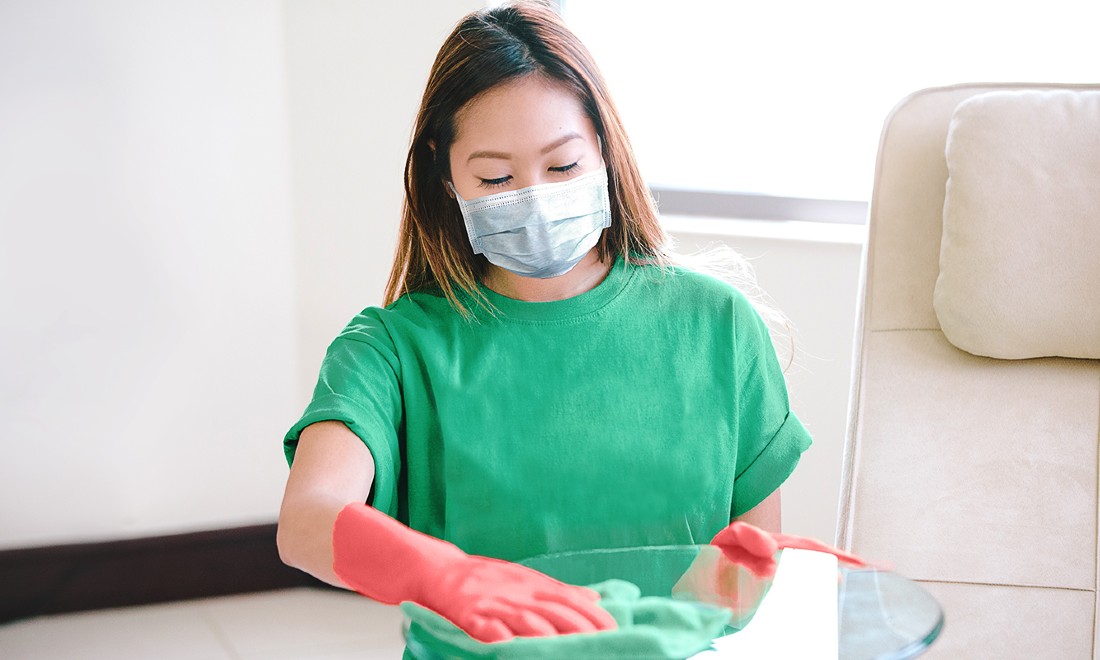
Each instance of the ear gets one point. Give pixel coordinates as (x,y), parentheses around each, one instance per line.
(446,186)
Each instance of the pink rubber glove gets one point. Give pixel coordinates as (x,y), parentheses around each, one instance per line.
(491,599)
(755,549)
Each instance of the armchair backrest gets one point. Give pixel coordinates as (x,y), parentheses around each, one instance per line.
(975,476)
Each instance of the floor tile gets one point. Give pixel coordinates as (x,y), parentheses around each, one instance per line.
(306,623)
(169,631)
(346,651)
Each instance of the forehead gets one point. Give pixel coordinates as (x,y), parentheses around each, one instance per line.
(531,108)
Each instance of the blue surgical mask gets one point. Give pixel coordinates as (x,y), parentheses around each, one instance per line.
(541,231)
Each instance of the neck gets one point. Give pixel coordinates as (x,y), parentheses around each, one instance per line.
(585,276)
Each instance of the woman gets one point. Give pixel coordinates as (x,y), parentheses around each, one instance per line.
(542,377)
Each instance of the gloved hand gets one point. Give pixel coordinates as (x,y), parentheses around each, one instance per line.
(755,549)
(491,599)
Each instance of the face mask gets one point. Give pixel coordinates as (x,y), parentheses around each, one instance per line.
(541,231)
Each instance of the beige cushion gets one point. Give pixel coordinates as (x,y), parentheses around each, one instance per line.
(976,470)
(1020,255)
(1012,623)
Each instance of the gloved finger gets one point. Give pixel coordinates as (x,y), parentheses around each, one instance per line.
(520,620)
(486,629)
(756,540)
(760,566)
(578,602)
(751,538)
(803,543)
(565,619)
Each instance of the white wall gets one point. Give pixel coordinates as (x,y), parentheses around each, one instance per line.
(146,341)
(168,283)
(195,196)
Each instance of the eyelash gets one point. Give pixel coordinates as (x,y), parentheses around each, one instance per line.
(496,183)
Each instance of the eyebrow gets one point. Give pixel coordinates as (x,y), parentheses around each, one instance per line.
(545,150)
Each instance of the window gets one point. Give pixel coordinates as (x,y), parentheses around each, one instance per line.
(772,105)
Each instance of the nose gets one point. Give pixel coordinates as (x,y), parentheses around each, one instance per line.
(531,178)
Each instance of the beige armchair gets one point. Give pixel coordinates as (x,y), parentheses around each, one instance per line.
(975,471)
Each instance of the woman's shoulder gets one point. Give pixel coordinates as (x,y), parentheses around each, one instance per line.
(411,311)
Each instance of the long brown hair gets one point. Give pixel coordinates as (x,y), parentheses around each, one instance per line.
(488,48)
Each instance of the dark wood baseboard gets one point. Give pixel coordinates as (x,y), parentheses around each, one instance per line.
(68,578)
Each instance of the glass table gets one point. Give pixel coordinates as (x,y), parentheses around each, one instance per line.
(884,615)
(880,614)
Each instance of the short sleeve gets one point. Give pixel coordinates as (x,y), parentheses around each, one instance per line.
(359,385)
(770,439)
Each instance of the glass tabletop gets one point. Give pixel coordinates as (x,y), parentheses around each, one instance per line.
(881,615)
(885,616)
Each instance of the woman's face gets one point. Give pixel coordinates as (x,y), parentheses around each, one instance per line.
(519,134)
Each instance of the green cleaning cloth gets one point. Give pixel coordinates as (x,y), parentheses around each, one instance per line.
(650,627)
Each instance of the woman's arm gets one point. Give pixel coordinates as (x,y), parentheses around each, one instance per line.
(767,515)
(332,468)
(326,530)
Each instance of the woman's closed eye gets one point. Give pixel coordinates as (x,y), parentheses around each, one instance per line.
(565,168)
(503,181)
(495,183)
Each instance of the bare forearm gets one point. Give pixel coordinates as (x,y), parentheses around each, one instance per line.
(305,535)
(331,469)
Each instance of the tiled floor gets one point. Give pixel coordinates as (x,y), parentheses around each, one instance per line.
(276,625)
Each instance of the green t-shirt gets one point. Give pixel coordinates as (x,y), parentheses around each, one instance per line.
(649,410)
